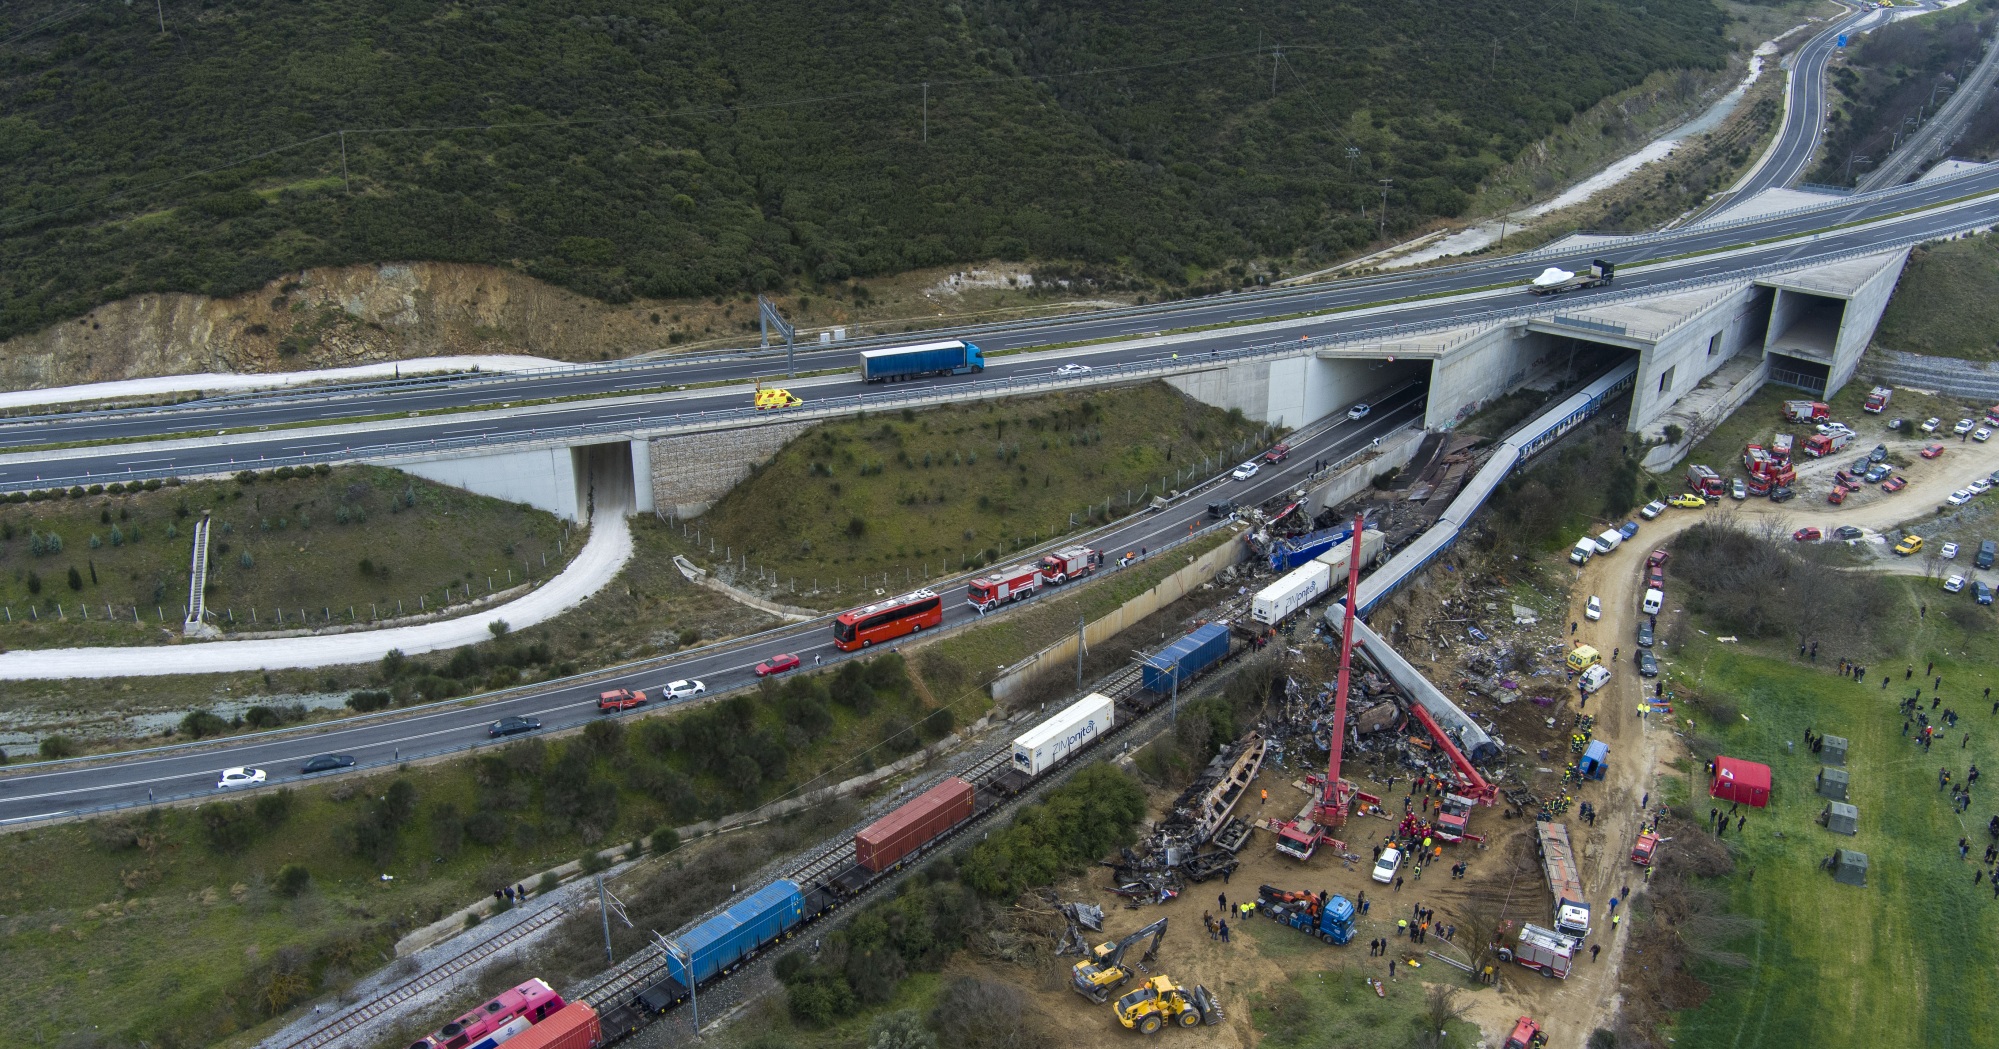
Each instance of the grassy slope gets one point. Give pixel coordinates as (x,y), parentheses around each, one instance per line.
(1947,304)
(1834,966)
(648,150)
(999,476)
(301,554)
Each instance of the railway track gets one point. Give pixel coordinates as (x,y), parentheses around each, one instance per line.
(346,1023)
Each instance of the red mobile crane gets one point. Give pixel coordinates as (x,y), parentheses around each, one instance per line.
(1300,837)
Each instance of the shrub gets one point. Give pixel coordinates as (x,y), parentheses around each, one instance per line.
(55,747)
(664,840)
(368,700)
(592,862)
(274,808)
(202,723)
(227,826)
(292,881)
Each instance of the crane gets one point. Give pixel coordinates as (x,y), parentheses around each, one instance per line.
(1299,838)
(1104,970)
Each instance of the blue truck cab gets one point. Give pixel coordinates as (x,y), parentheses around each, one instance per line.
(1331,921)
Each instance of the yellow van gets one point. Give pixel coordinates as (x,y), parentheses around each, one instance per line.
(1583,657)
(1910,544)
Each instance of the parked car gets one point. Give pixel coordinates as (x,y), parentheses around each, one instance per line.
(1359,411)
(1910,544)
(1979,487)
(1847,532)
(1645,633)
(1895,484)
(1246,470)
(1948,551)
(1384,867)
(1593,609)
(1738,490)
(239,776)
(682,689)
(1982,434)
(1807,535)
(1628,529)
(1879,453)
(1931,451)
(1877,473)
(1953,584)
(512,726)
(1930,424)
(1073,369)
(1960,497)
(1648,664)
(1781,494)
(1836,496)
(1897,424)
(1652,509)
(1963,426)
(777,664)
(327,763)
(1982,591)
(1688,501)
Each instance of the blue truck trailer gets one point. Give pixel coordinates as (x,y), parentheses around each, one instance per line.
(735,934)
(1204,647)
(955,357)
(1287,554)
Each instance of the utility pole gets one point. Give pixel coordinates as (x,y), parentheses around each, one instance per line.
(605,913)
(160,9)
(1353,160)
(926,111)
(1276,55)
(1385,183)
(1079,651)
(343,164)
(686,960)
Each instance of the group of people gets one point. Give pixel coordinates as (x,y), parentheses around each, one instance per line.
(511,894)
(1717,820)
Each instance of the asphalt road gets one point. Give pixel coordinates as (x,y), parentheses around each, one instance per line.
(1797,144)
(191,771)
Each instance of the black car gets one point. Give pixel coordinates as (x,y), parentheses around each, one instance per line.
(328,762)
(1781,493)
(513,726)
(1648,665)
(1645,633)
(1846,532)
(1879,453)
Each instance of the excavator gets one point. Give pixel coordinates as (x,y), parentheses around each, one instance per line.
(1149,1008)
(1104,970)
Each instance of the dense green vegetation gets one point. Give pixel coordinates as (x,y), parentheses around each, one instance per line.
(1897,74)
(1947,304)
(631,149)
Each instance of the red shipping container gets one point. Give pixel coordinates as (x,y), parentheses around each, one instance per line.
(574,1026)
(886,841)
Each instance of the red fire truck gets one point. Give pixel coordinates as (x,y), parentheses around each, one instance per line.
(1073,562)
(1004,586)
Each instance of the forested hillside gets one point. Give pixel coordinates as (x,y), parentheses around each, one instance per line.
(678,147)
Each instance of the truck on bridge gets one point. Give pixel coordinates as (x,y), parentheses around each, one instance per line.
(1554,280)
(895,364)
(1565,879)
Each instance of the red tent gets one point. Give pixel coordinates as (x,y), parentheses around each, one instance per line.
(1742,781)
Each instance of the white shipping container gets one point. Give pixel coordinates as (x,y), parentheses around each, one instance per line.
(1046,744)
(1296,590)
(1371,542)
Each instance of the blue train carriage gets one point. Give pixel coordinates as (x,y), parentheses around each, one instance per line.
(729,939)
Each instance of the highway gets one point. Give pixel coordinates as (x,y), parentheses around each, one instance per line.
(1797,143)
(190,770)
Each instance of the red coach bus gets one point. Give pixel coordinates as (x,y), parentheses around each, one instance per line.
(887,620)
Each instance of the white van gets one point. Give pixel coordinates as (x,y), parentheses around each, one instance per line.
(1584,549)
(1655,599)
(1595,678)
(1609,540)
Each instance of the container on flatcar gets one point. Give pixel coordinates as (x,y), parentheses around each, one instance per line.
(915,824)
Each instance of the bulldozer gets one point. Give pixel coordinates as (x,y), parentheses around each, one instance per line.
(1161,1001)
(1104,971)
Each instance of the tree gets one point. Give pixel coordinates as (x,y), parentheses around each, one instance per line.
(227,826)
(902,1029)
(75,578)
(292,881)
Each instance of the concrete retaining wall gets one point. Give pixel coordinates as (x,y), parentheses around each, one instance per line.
(690,472)
(545,478)
(1945,375)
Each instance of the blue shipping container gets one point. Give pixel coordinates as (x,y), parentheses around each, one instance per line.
(1184,658)
(931,358)
(1287,554)
(730,936)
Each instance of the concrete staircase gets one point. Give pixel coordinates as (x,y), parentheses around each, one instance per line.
(197,624)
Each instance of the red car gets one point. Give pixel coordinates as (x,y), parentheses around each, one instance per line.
(1931,451)
(1278,454)
(1836,496)
(1808,535)
(619,699)
(1895,484)
(777,664)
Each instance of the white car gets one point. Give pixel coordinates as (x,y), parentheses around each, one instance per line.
(1384,868)
(1652,510)
(239,777)
(1359,411)
(682,689)
(1981,435)
(1073,369)
(1980,486)
(1948,551)
(1953,584)
(1963,426)
(1594,609)
(1961,497)
(1246,470)
(1930,424)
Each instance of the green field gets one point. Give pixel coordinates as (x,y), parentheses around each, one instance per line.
(355,542)
(1947,304)
(1913,958)
(918,495)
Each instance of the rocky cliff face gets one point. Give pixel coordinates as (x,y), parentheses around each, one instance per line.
(331,318)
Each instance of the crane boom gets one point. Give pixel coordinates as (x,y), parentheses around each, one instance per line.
(1332,809)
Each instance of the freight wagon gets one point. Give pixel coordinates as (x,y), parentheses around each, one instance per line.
(888,840)
(1205,646)
(574,1026)
(729,938)
(1048,743)
(1300,588)
(953,357)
